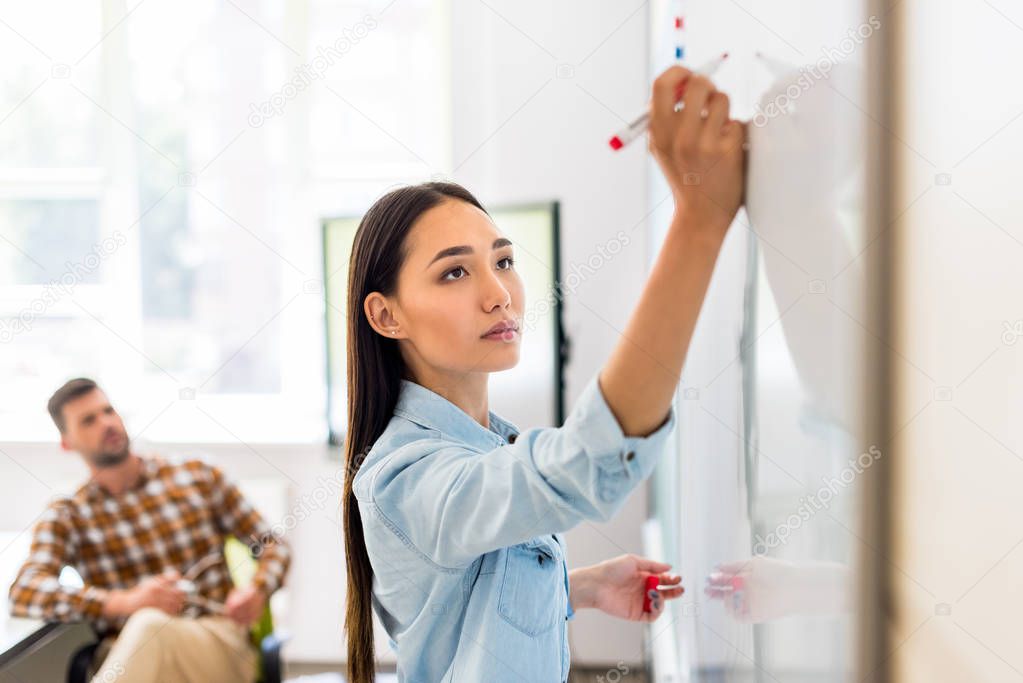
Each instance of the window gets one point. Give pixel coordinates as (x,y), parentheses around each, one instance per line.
(164,169)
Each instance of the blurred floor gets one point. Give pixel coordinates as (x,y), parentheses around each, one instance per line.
(306,673)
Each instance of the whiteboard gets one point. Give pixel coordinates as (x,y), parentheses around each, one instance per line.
(758,505)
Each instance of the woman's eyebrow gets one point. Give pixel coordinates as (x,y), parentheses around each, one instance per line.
(466,249)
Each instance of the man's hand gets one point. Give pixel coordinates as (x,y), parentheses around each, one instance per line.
(616,587)
(155,591)
(245,605)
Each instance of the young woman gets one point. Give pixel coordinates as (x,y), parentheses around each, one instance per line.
(453,518)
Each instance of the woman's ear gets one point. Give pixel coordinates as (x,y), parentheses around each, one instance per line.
(378,311)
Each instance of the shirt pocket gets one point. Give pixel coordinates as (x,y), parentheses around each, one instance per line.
(531,586)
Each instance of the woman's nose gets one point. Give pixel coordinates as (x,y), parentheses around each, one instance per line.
(497,294)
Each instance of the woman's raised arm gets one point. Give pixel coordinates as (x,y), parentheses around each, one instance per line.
(702,158)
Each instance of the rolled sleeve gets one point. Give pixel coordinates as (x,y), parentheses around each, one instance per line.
(626,458)
(93,600)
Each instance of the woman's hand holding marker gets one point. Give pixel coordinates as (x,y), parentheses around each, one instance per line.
(699,149)
(640,124)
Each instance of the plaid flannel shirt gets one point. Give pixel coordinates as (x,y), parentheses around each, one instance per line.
(175,516)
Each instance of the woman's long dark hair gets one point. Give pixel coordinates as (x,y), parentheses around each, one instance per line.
(375,371)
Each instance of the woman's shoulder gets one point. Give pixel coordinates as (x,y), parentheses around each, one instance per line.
(401,444)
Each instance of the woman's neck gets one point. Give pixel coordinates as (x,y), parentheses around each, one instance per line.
(468,391)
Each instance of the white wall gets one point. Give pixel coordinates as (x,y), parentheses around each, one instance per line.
(959,367)
(524,133)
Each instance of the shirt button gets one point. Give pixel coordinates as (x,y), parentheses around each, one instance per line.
(512,437)
(630,455)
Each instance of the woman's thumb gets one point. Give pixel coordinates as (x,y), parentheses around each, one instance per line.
(653,566)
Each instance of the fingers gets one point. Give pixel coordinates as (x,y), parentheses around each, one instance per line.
(652,566)
(176,602)
(692,143)
(663,578)
(243,614)
(168,584)
(717,115)
(656,600)
(698,90)
(669,579)
(168,596)
(243,606)
(663,125)
(656,607)
(170,603)
(667,89)
(236,613)
(660,595)
(234,606)
(669,586)
(687,131)
(672,593)
(736,129)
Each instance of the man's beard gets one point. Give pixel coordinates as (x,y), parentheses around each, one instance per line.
(104,459)
(110,459)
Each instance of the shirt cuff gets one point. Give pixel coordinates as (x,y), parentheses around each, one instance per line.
(602,436)
(93,600)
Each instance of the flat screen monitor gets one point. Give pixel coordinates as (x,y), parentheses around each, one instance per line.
(529,395)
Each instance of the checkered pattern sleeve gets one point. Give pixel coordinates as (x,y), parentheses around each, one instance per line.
(36,592)
(236,516)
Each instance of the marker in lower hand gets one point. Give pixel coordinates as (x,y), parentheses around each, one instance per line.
(652,582)
(640,123)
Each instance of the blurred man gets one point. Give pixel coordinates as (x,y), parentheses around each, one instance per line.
(147,538)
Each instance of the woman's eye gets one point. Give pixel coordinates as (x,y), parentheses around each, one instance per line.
(510,261)
(453,270)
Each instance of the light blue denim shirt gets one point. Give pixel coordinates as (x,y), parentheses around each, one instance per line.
(463,529)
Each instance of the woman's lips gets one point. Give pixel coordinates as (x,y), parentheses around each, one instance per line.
(505,335)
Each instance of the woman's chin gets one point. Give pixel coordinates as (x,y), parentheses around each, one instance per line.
(508,366)
(498,360)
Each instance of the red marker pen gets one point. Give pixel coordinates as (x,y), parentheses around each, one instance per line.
(642,122)
(652,582)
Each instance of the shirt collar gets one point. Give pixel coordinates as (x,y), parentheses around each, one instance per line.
(150,466)
(431,410)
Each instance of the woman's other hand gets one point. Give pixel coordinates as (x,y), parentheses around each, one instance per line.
(617,587)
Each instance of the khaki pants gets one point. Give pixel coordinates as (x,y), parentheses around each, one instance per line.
(154,647)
